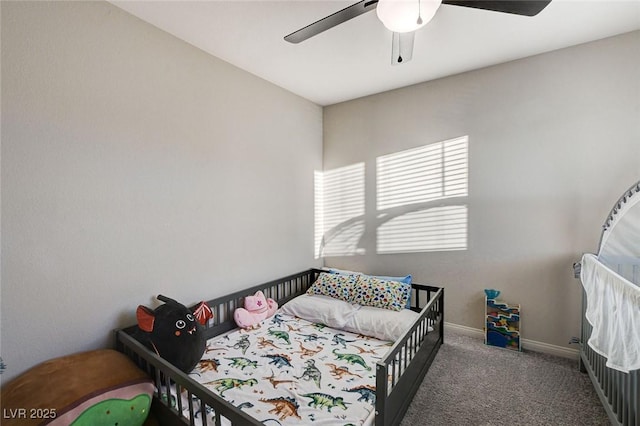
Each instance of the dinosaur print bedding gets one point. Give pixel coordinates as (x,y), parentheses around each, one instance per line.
(292,371)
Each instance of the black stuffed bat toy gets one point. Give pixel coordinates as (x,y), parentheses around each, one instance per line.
(174,332)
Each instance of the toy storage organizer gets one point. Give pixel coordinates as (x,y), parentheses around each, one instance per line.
(610,335)
(502,324)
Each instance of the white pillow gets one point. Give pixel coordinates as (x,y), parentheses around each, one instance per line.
(382,324)
(320,309)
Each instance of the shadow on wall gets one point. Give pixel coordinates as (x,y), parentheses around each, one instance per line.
(421,203)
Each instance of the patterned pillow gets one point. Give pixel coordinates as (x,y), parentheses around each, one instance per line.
(404,280)
(333,285)
(372,291)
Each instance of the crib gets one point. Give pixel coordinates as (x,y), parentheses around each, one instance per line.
(614,276)
(398,374)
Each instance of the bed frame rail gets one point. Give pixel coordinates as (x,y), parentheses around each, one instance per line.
(400,373)
(406,363)
(171,384)
(619,392)
(281,290)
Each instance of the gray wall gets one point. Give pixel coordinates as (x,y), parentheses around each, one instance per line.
(553,141)
(134,164)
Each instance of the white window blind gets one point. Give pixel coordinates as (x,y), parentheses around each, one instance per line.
(415,178)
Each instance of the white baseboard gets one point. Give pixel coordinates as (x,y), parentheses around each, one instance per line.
(530,345)
(546,348)
(463,329)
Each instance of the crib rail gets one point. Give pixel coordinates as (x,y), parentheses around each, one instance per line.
(619,392)
(409,357)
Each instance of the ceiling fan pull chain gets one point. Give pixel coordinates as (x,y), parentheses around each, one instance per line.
(419,21)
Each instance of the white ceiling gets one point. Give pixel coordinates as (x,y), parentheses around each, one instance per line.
(354,59)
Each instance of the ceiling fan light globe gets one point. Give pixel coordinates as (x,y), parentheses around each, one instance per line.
(402,16)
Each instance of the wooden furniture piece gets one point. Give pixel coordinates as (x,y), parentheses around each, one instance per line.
(398,374)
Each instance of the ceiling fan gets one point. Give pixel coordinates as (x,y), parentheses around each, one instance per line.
(404,17)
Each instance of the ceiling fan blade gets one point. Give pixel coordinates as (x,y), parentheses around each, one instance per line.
(517,7)
(331,21)
(402,47)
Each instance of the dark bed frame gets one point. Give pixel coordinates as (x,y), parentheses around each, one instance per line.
(398,375)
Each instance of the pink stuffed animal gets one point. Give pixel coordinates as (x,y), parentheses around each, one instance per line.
(256,308)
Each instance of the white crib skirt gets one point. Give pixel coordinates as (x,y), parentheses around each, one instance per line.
(613,309)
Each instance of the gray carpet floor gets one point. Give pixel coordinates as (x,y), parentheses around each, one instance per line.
(470,383)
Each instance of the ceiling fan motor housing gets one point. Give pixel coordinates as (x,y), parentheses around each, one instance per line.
(402,16)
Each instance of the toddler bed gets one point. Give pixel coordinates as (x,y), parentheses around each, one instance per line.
(319,360)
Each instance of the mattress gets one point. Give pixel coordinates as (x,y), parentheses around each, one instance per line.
(293,371)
